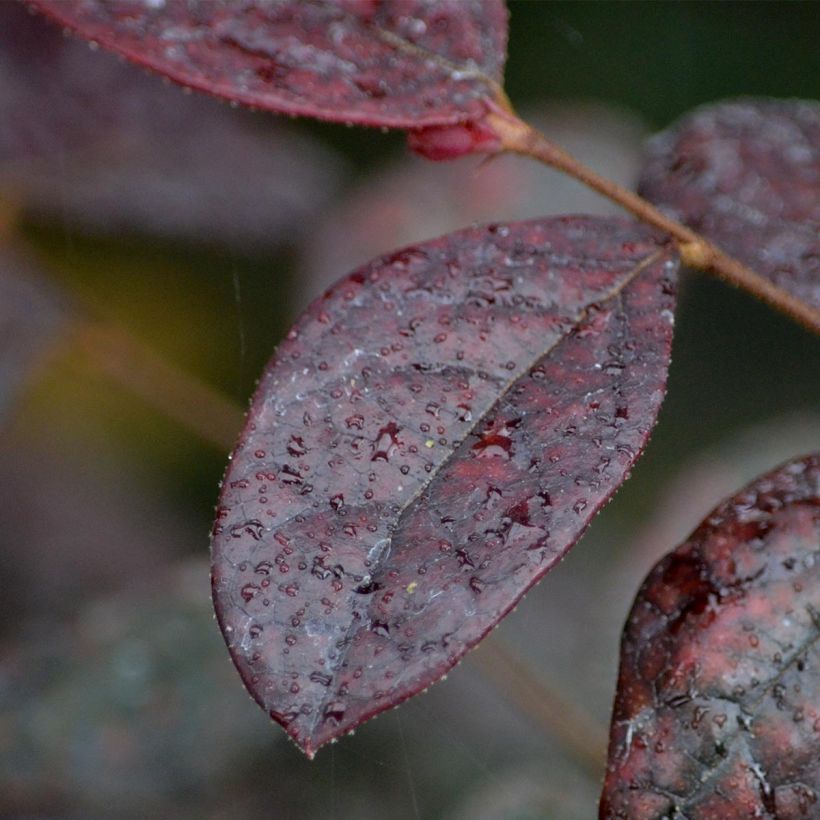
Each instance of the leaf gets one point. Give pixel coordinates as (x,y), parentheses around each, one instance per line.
(130,154)
(716,713)
(435,433)
(746,175)
(409,64)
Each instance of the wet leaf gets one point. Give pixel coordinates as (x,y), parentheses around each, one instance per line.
(717,711)
(435,433)
(127,154)
(746,174)
(409,64)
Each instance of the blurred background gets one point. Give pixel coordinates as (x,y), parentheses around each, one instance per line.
(154,248)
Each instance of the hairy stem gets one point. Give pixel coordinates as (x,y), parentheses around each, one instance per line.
(695,251)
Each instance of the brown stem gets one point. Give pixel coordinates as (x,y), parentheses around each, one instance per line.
(695,251)
(534,696)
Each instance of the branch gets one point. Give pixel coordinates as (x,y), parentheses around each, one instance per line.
(186,399)
(585,741)
(695,251)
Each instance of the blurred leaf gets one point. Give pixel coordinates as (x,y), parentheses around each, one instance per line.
(746,174)
(97,145)
(32,316)
(130,707)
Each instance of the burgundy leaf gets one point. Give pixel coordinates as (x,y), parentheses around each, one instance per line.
(717,713)
(403,64)
(128,154)
(435,433)
(746,174)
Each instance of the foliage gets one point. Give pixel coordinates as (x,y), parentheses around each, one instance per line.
(440,427)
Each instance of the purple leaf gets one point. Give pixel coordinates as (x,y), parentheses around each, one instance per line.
(435,433)
(717,712)
(746,174)
(409,64)
(125,153)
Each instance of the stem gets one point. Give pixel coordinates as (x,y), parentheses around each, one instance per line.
(186,399)
(695,251)
(536,698)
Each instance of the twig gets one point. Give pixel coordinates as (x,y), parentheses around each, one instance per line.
(535,697)
(186,399)
(696,251)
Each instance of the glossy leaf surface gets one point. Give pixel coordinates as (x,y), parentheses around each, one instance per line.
(746,174)
(435,433)
(406,64)
(717,713)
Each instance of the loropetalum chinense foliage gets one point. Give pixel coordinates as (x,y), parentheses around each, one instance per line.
(439,428)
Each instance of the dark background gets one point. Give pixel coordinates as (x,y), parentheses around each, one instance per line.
(116,695)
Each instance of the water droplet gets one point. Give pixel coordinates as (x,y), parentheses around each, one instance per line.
(355,421)
(248,592)
(463,558)
(253,528)
(296,446)
(386,442)
(334,711)
(368,586)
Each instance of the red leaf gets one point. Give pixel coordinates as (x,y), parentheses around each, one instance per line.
(746,174)
(404,64)
(436,432)
(717,713)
